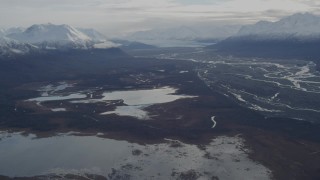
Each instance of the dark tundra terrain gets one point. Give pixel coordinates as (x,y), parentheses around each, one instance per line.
(58,107)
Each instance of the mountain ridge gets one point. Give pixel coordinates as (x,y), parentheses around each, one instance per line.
(295,36)
(55,35)
(44,37)
(183,33)
(299,26)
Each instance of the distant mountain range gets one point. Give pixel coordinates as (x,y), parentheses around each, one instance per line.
(183,33)
(132,45)
(179,33)
(295,36)
(301,26)
(297,27)
(38,37)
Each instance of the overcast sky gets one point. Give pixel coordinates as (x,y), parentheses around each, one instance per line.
(114,17)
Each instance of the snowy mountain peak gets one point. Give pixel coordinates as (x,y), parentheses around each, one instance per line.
(43,37)
(50,33)
(298,25)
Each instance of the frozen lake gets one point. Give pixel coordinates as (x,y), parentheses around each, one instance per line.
(224,157)
(134,101)
(137,100)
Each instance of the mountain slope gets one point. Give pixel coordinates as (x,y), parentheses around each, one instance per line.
(298,25)
(93,34)
(10,48)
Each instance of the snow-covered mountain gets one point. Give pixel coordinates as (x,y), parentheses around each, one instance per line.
(295,36)
(10,47)
(300,26)
(52,36)
(44,37)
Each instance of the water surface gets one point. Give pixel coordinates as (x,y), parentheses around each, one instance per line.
(225,157)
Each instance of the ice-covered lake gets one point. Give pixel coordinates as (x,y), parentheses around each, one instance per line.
(225,158)
(134,101)
(137,100)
